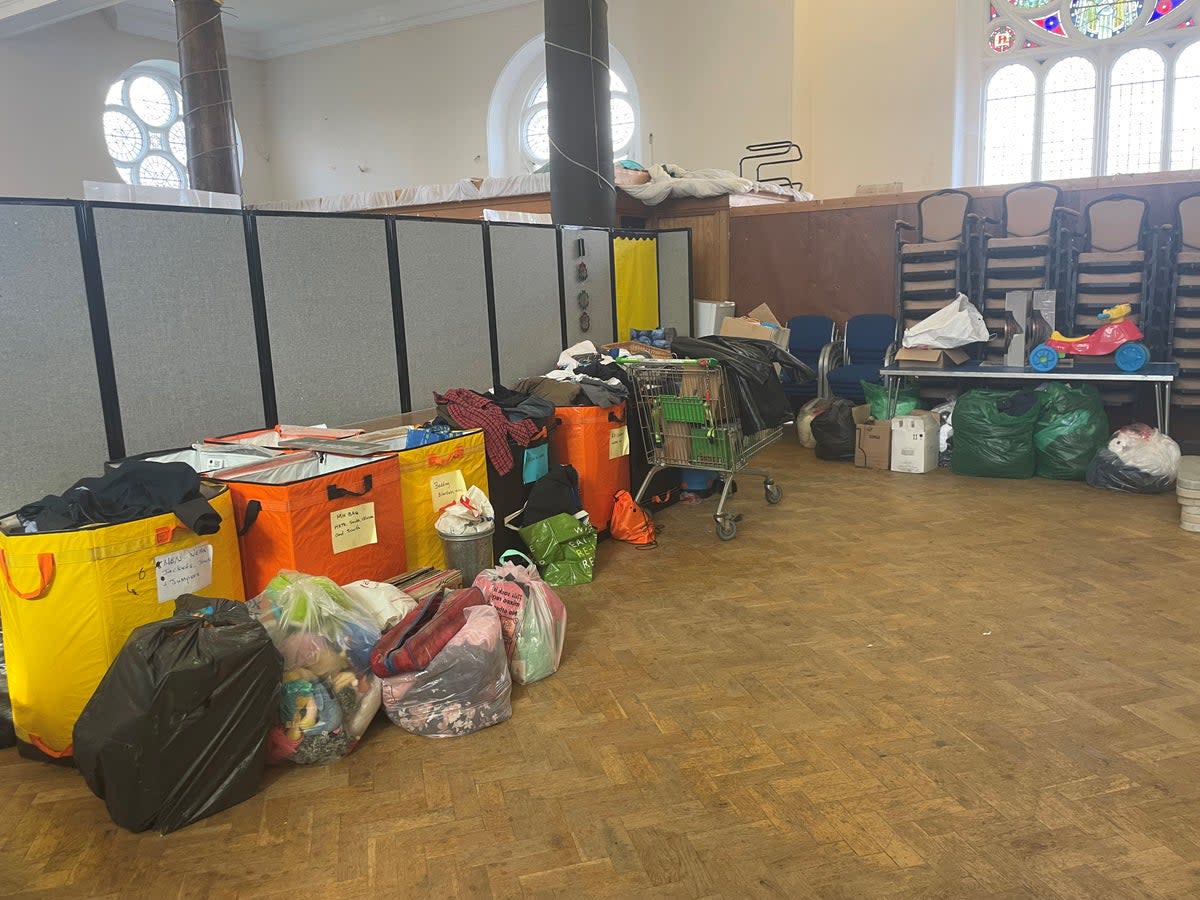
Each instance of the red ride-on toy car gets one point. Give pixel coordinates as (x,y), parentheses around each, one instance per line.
(1118,334)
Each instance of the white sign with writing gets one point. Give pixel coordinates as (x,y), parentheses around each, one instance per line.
(183,572)
(447,488)
(353,528)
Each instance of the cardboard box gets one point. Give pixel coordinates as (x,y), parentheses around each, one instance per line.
(915,443)
(931,359)
(873,448)
(752,326)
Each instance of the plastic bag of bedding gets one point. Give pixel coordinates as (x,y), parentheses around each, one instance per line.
(464,689)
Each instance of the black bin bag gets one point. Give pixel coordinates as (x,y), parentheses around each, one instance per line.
(177,730)
(835,432)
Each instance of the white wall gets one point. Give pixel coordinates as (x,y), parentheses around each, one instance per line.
(411,108)
(52,87)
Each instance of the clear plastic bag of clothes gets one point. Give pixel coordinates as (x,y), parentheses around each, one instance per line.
(532,618)
(1138,460)
(329,694)
(464,689)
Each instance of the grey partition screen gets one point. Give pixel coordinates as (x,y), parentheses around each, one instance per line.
(528,313)
(675,280)
(595,252)
(329,312)
(49,390)
(447,332)
(177,291)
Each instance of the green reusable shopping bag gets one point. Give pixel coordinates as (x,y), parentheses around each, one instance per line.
(563,548)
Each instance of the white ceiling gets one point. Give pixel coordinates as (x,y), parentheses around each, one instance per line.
(259,29)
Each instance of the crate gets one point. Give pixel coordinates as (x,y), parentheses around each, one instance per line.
(712,448)
(693,410)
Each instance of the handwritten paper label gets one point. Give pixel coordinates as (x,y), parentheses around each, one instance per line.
(537,463)
(353,528)
(183,572)
(618,442)
(508,597)
(447,488)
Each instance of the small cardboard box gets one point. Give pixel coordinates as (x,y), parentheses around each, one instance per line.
(873,448)
(751,326)
(931,359)
(915,443)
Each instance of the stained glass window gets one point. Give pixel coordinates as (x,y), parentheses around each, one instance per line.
(1162,8)
(1008,126)
(1135,115)
(1069,119)
(1103,19)
(1002,39)
(1028,4)
(1185,133)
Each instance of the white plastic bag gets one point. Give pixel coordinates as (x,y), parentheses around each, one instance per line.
(532,617)
(386,603)
(472,513)
(1147,449)
(955,325)
(804,420)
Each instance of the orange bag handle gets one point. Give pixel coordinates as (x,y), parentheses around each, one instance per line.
(46,569)
(434,460)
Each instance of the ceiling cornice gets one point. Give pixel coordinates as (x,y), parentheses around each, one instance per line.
(160,24)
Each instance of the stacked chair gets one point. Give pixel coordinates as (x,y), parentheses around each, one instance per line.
(1115,264)
(868,345)
(1181,250)
(813,342)
(939,262)
(1031,253)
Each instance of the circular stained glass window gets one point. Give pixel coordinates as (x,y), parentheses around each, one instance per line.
(1002,39)
(1103,19)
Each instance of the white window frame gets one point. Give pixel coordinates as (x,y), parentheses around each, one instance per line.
(977,64)
(509,108)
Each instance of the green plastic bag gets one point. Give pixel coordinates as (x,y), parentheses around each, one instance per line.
(563,548)
(876,394)
(992,443)
(1071,429)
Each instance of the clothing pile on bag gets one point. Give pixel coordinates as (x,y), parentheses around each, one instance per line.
(465,409)
(136,490)
(329,695)
(443,669)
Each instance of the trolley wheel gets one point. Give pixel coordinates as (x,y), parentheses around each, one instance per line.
(1044,358)
(774,492)
(1132,357)
(726,529)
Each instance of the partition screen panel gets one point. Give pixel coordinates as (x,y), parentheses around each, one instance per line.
(177,291)
(446,327)
(675,280)
(49,391)
(329,312)
(595,322)
(528,315)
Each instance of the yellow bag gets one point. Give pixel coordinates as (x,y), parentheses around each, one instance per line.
(69,600)
(431,478)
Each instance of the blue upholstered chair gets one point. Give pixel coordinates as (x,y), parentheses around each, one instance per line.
(811,342)
(867,347)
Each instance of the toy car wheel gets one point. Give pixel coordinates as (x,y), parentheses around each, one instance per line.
(1132,357)
(774,492)
(726,529)
(1044,358)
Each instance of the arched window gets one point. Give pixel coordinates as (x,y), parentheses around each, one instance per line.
(1185,132)
(1069,120)
(143,126)
(1009,126)
(519,116)
(1135,113)
(535,122)
(1109,87)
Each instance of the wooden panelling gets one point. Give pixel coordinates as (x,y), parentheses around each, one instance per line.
(710,251)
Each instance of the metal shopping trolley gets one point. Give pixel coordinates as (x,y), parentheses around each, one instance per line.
(690,420)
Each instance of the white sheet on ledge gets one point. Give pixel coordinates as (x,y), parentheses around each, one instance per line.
(422,195)
(516,186)
(670,181)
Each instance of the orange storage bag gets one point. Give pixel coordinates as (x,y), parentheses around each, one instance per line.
(596,442)
(632,524)
(332,516)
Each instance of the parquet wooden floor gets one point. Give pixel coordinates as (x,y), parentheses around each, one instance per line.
(889,686)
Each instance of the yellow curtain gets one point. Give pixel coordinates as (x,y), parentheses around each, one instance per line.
(636,261)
